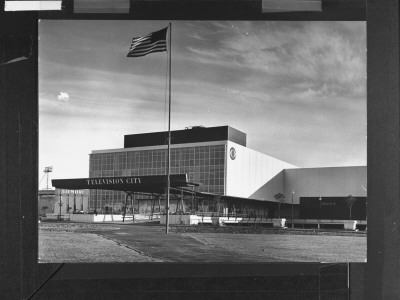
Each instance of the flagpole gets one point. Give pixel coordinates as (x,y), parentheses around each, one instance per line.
(169,136)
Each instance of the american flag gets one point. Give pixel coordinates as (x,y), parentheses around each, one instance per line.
(152,42)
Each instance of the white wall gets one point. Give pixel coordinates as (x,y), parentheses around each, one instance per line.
(250,171)
(328,182)
(271,188)
(258,176)
(69,197)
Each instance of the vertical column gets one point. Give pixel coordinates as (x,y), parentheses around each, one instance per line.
(18,155)
(383,267)
(133,207)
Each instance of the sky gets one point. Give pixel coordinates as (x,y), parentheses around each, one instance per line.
(297,89)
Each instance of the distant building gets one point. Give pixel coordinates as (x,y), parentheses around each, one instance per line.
(70,201)
(46,201)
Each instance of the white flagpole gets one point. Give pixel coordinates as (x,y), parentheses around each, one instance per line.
(169,136)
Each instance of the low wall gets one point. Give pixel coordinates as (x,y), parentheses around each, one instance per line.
(195,220)
(55,217)
(92,218)
(218,221)
(276,222)
(347,224)
(109,218)
(95,218)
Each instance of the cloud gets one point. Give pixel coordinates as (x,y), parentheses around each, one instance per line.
(329,59)
(298,89)
(197,36)
(63,97)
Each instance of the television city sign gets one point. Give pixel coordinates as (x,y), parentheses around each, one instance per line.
(113,181)
(120,183)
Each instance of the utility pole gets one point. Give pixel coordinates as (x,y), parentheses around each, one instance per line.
(292,208)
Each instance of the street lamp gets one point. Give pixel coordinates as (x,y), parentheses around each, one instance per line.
(319,220)
(292,208)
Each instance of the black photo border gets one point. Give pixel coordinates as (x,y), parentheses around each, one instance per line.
(22,277)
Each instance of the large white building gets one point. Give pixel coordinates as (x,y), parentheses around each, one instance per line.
(219,159)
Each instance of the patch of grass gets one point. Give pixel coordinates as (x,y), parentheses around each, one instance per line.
(75,227)
(296,248)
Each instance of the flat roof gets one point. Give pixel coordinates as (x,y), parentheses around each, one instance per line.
(160,147)
(197,134)
(46,192)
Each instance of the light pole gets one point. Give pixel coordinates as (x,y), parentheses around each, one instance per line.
(292,208)
(112,204)
(74,202)
(60,204)
(319,219)
(68,208)
(82,201)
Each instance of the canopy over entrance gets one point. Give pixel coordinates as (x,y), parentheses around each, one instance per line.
(155,184)
(180,188)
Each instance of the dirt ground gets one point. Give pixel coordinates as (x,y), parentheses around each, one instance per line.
(75,247)
(293,248)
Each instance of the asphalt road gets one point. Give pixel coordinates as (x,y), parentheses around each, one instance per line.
(174,247)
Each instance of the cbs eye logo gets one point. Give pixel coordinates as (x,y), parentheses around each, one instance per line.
(232,153)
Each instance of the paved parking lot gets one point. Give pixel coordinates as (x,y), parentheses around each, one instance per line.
(177,247)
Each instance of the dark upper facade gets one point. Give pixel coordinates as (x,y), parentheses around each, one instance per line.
(197,134)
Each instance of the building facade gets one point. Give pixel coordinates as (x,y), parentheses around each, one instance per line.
(219,159)
(46,200)
(70,201)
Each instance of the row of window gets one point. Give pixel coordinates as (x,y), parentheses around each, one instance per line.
(192,175)
(196,164)
(204,165)
(159,165)
(209,155)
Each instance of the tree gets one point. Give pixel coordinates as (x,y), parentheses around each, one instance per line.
(350,201)
(281,198)
(44,209)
